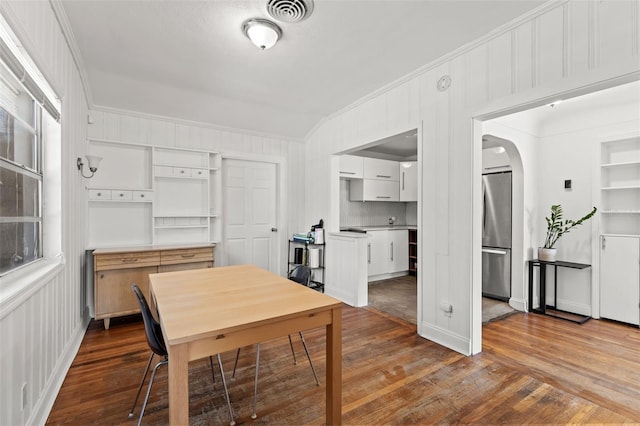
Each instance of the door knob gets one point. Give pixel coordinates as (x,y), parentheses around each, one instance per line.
(274,229)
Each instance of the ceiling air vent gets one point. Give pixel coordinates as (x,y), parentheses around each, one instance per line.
(290,11)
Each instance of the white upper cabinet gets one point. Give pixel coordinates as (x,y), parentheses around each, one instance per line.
(351,166)
(381,169)
(374,190)
(408,180)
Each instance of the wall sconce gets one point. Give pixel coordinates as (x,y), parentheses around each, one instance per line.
(93,160)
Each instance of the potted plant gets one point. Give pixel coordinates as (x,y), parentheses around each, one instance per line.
(556,227)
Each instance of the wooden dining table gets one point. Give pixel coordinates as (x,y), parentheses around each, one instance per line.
(209,311)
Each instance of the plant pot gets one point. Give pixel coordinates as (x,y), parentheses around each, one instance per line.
(547,254)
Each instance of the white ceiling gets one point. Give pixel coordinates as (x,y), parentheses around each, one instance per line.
(189,59)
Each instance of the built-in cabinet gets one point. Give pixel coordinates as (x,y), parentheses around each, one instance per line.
(620,226)
(387,252)
(146,195)
(620,278)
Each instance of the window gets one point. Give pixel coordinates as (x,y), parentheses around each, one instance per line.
(21,176)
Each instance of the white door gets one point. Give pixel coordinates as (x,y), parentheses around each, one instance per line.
(249,190)
(620,278)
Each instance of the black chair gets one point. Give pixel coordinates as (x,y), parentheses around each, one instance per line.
(155,340)
(302,275)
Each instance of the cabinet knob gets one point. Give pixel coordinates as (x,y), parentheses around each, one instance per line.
(141,195)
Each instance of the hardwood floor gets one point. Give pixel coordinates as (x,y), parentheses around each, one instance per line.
(534,369)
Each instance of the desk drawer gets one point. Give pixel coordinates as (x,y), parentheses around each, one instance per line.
(172,257)
(127,260)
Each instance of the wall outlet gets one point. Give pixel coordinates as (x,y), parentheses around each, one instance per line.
(24,396)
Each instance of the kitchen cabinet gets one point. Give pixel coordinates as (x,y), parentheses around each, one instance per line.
(375,168)
(351,166)
(374,190)
(116,269)
(620,278)
(387,252)
(408,180)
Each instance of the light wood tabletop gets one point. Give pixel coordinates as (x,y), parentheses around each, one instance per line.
(208,311)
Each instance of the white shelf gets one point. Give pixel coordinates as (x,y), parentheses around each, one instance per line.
(622,164)
(179,215)
(620,211)
(615,188)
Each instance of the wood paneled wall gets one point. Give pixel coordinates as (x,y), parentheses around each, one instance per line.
(124,126)
(562,47)
(41,329)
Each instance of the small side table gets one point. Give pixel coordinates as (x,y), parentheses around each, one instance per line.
(542,288)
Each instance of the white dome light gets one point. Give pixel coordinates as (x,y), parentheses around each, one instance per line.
(263,33)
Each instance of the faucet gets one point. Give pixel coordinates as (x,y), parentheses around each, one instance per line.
(392,219)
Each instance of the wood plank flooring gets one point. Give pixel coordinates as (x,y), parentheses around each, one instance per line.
(534,369)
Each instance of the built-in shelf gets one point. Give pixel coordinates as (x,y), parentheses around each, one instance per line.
(620,186)
(147,194)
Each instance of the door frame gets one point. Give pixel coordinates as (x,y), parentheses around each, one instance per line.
(281,201)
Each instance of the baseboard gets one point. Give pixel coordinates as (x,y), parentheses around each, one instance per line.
(43,406)
(445,338)
(343,296)
(387,276)
(518,304)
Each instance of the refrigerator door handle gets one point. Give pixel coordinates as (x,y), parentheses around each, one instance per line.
(494,251)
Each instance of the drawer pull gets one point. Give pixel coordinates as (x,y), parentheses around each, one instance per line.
(130,260)
(186,256)
(384,176)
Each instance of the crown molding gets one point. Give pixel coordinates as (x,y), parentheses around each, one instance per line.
(67,33)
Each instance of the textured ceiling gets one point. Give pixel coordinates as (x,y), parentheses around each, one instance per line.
(189,59)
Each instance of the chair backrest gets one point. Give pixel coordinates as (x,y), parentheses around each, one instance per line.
(301,274)
(152,327)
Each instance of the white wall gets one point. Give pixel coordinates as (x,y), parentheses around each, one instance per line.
(563,47)
(41,328)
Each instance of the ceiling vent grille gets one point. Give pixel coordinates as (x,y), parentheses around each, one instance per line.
(290,11)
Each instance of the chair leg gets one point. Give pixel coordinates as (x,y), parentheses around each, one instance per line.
(295,361)
(146,398)
(235,364)
(304,344)
(255,382)
(226,392)
(144,377)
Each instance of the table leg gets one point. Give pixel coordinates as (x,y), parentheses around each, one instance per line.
(543,287)
(334,369)
(530,286)
(178,385)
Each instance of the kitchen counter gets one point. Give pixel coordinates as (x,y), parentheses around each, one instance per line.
(376,228)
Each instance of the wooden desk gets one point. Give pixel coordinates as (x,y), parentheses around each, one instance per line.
(209,311)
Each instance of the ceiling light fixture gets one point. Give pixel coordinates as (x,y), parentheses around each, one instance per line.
(263,33)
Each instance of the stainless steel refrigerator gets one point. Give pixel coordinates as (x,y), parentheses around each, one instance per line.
(496,235)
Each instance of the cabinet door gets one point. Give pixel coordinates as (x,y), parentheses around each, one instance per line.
(374,190)
(381,169)
(620,278)
(409,181)
(113,295)
(351,166)
(398,241)
(377,253)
